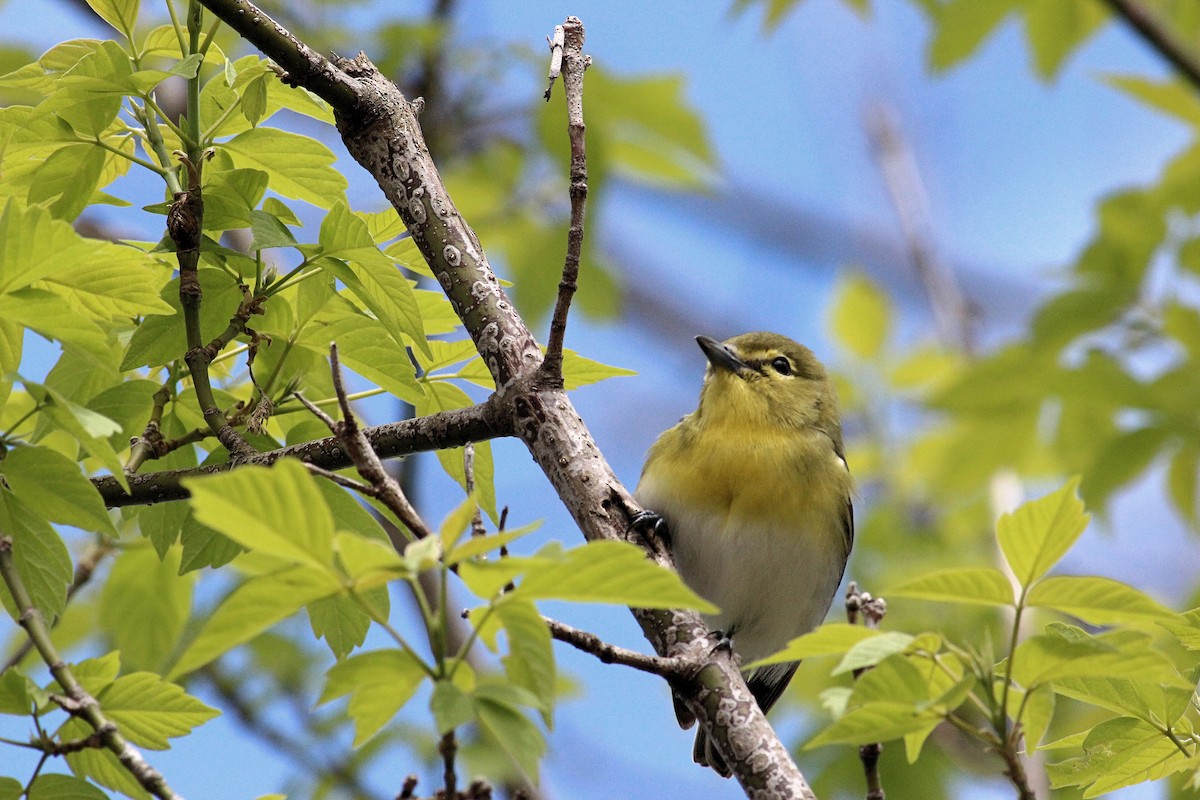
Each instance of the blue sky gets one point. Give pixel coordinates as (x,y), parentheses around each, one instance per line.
(1013,167)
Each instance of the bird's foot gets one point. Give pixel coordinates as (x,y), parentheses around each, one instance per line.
(651,523)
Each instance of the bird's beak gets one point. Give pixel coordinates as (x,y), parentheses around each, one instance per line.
(721,356)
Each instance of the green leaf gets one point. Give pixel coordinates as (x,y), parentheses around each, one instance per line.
(831,639)
(455,523)
(1098,601)
(52,485)
(609,572)
(62,787)
(1117,753)
(961,26)
(530,660)
(202,546)
(121,14)
(149,710)
(892,679)
(65,181)
(90,429)
(1046,658)
(145,632)
(1147,700)
(1055,28)
(870,652)
(254,100)
(368,561)
(40,557)
(580,371)
(18,694)
(268,231)
(478,545)
(53,317)
(514,732)
(451,707)
(1036,535)
(861,316)
(104,280)
(340,621)
(365,347)
(277,510)
(875,722)
(100,766)
(300,167)
(252,608)
(651,133)
(1120,462)
(1171,97)
(11,789)
(379,683)
(977,585)
(370,275)
(230,197)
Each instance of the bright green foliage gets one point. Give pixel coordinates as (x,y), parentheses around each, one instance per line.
(915,683)
(1053,29)
(379,684)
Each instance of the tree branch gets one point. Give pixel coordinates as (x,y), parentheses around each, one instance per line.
(435,432)
(379,128)
(872,610)
(670,668)
(1159,35)
(303,66)
(77,702)
(573,64)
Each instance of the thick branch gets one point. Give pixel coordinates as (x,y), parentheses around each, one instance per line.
(380,129)
(304,66)
(434,432)
(1159,35)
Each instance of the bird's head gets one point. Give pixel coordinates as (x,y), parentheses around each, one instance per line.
(763,378)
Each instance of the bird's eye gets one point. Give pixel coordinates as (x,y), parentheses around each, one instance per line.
(782,366)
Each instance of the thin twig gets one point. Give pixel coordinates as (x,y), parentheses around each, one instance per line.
(573,64)
(612,654)
(77,701)
(556,58)
(147,446)
(84,571)
(477,528)
(1159,35)
(358,448)
(448,747)
(872,611)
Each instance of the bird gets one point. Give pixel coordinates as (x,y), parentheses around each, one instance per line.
(753,494)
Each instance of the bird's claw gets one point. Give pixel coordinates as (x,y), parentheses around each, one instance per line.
(724,641)
(647,521)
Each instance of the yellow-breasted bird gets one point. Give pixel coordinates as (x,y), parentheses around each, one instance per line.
(755,494)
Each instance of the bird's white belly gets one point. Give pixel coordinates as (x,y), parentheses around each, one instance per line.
(771,583)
